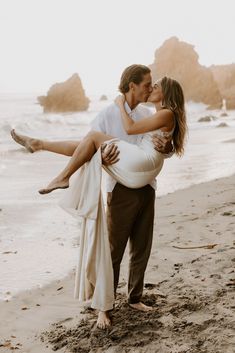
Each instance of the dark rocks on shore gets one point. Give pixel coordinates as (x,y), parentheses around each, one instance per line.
(209,85)
(67,96)
(222,125)
(207,118)
(179,60)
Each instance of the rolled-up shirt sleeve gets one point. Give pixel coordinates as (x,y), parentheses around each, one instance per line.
(98,124)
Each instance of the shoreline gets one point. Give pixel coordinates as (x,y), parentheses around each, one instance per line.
(178,283)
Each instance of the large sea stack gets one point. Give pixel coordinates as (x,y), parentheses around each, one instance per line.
(68,96)
(179,60)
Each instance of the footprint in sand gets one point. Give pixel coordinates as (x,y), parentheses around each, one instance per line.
(227,213)
(216,276)
(177,238)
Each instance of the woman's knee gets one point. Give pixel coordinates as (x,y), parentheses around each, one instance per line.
(94,138)
(93,135)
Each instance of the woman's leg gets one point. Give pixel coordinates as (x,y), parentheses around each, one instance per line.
(66,148)
(83,153)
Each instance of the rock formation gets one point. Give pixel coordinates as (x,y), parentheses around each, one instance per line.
(68,96)
(179,60)
(207,118)
(103,97)
(224,76)
(222,125)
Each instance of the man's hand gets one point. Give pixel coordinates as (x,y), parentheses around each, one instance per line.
(109,154)
(162,144)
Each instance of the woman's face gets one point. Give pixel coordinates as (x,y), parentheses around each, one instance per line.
(156,96)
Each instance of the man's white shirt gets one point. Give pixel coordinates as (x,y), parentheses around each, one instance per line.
(109,121)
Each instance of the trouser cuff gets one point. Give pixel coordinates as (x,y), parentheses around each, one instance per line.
(133,300)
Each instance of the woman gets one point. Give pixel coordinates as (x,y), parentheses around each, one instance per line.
(138,165)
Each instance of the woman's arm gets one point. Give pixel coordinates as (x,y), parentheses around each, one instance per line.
(155,121)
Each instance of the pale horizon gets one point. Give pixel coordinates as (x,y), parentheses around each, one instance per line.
(48,41)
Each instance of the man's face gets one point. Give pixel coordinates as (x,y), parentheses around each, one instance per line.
(156,96)
(143,89)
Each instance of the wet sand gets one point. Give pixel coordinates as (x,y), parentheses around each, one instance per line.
(190,281)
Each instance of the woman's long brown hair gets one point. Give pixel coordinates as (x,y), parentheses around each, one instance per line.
(174,100)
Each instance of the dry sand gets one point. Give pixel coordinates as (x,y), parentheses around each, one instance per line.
(192,290)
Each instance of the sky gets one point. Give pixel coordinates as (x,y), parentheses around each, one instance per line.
(46,41)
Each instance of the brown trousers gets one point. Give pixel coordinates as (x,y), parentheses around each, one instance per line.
(130,215)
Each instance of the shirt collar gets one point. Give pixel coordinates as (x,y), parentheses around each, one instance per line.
(128,109)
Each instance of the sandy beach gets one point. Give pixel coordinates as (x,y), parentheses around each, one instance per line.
(63,64)
(190,281)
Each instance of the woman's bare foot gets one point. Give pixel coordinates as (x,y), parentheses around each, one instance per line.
(56,183)
(103,320)
(31,144)
(141,306)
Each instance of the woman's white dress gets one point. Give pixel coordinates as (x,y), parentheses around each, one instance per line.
(138,166)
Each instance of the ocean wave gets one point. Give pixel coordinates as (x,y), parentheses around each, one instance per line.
(5,127)
(2,167)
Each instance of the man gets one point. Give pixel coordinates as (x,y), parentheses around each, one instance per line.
(130,212)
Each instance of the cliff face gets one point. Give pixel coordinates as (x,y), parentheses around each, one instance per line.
(224,76)
(68,96)
(179,60)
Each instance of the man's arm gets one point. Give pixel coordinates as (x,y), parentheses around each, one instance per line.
(109,153)
(98,124)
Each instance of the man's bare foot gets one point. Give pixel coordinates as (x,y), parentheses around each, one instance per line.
(56,183)
(103,320)
(141,306)
(31,144)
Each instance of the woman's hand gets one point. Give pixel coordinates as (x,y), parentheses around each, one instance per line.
(120,100)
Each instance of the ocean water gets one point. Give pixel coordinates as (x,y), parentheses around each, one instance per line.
(38,240)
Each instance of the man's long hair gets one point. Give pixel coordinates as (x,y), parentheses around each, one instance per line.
(134,73)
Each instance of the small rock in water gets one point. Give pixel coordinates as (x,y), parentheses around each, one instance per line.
(222,125)
(207,118)
(103,97)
